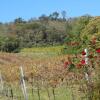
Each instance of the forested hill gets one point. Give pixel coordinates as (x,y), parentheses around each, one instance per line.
(43,31)
(92,29)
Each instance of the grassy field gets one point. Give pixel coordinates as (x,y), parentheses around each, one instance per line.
(42,52)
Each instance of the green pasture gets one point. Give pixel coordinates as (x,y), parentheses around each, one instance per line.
(42,51)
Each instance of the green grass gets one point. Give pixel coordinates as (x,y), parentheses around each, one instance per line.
(61,93)
(42,51)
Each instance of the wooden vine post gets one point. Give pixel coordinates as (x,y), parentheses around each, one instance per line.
(23,86)
(86,62)
(88,79)
(1,83)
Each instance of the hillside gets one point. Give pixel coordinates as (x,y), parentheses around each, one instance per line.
(46,69)
(25,34)
(92,29)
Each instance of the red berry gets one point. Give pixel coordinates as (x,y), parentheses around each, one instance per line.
(83,53)
(83,62)
(98,50)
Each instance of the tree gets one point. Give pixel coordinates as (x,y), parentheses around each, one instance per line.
(64,15)
(19,20)
(44,19)
(54,16)
(9,44)
(80,24)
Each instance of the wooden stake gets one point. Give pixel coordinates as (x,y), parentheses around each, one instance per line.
(1,83)
(48,92)
(53,91)
(86,61)
(38,90)
(23,86)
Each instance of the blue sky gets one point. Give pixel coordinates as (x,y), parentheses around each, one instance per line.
(11,9)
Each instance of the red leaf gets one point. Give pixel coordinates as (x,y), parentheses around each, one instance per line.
(98,50)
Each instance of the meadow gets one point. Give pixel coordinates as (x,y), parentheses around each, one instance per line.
(42,52)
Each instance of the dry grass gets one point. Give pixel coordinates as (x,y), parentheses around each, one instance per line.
(10,63)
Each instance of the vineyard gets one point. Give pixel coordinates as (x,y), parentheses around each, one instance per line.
(49,78)
(51,66)
(42,68)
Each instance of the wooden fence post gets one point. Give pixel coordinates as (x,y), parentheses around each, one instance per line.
(23,86)
(11,92)
(53,91)
(89,94)
(48,92)
(86,56)
(86,62)
(38,90)
(1,83)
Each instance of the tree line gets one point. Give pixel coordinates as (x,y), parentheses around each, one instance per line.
(42,31)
